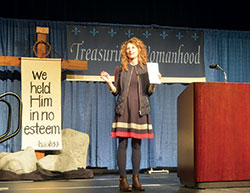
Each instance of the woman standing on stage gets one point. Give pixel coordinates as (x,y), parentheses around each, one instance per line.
(132,118)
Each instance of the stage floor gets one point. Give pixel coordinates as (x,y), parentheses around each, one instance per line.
(153,183)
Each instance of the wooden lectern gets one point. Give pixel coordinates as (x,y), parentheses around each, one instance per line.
(214,135)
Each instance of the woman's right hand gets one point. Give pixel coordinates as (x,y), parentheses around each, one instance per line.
(106,77)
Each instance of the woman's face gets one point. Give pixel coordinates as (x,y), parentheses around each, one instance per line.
(132,51)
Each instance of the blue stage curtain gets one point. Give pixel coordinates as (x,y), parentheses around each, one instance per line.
(230,50)
(89,106)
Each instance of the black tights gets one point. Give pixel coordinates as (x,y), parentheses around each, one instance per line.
(122,155)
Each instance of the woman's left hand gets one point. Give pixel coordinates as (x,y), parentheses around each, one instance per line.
(159,75)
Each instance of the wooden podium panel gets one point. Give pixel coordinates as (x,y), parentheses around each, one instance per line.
(214,135)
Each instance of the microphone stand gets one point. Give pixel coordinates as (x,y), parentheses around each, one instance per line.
(225,75)
(218,67)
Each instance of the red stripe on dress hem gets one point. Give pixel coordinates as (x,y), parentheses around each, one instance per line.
(133,135)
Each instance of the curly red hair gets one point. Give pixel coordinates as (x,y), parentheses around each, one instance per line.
(142,56)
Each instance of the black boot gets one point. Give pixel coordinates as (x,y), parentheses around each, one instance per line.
(124,184)
(136,183)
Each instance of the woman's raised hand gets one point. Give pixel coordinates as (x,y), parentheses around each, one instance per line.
(105,76)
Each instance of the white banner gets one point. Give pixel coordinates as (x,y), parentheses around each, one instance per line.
(41,96)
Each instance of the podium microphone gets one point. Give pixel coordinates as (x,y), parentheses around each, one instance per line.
(216,66)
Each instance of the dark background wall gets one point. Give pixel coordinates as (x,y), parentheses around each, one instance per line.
(231,15)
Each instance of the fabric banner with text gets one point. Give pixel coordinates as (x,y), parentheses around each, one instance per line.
(41,95)
(180,53)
